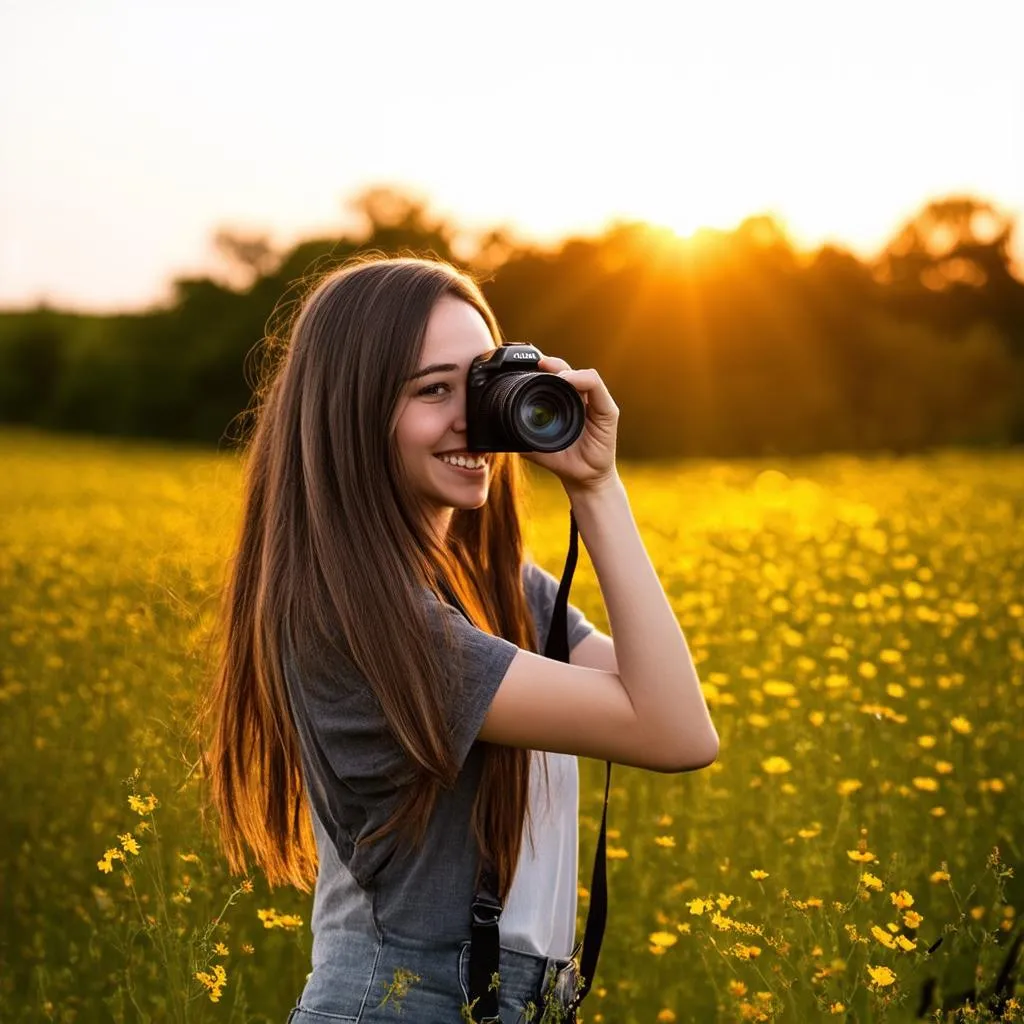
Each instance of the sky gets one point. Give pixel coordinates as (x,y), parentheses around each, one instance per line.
(130,132)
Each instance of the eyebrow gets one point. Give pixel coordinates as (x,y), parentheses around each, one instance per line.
(433,368)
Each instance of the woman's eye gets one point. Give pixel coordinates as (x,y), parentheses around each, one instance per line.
(429,389)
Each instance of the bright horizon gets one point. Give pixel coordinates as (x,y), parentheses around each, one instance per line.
(130,133)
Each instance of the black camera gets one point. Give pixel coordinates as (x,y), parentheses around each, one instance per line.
(511,406)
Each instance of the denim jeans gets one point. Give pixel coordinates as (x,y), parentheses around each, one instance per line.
(399,979)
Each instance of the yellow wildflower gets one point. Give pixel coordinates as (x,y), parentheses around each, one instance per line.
(776,765)
(869,881)
(129,843)
(214,982)
(106,864)
(142,805)
(861,856)
(881,976)
(902,899)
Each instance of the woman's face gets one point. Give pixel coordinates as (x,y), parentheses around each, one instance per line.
(431,417)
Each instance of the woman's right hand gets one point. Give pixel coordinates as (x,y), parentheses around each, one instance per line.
(589,462)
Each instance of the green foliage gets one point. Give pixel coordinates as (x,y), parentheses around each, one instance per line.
(731,343)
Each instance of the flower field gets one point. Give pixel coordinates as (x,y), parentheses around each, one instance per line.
(854,854)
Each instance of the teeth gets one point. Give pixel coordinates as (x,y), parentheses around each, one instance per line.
(467,462)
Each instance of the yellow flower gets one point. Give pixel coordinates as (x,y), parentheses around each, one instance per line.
(912,919)
(663,939)
(925,783)
(960,725)
(272,919)
(881,976)
(214,982)
(190,858)
(106,864)
(142,805)
(939,876)
(869,881)
(220,949)
(757,873)
(665,1016)
(745,952)
(778,688)
(616,853)
(737,988)
(129,843)
(902,899)
(810,833)
(883,937)
(836,1008)
(776,765)
(667,841)
(847,786)
(861,856)
(698,906)
(906,944)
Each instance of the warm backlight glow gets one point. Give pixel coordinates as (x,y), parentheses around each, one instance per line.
(155,125)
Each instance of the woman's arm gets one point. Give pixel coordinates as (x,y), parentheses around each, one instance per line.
(650,651)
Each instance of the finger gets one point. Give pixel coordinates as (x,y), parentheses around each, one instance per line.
(552,364)
(589,384)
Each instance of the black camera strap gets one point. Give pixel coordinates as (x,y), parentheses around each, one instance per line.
(487,907)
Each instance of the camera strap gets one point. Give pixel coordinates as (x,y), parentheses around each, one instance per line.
(486,907)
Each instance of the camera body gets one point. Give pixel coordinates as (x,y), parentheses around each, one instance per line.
(511,406)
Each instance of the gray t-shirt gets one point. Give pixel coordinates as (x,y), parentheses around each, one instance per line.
(353,767)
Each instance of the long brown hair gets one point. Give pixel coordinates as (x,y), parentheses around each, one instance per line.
(331,549)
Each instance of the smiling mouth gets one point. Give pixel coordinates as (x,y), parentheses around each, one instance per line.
(466,469)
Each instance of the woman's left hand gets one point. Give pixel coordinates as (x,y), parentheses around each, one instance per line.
(589,462)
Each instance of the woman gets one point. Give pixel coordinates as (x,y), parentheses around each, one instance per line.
(370,736)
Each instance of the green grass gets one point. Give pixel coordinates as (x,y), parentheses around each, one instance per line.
(857,628)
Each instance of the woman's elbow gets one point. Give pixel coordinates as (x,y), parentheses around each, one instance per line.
(694,757)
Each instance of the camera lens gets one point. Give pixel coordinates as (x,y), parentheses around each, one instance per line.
(539,411)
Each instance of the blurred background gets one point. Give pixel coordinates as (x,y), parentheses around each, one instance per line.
(774,229)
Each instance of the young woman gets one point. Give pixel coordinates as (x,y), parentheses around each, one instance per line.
(369,736)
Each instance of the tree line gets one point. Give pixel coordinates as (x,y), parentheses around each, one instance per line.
(727,343)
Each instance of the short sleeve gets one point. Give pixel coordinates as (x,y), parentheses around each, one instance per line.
(348,731)
(485,660)
(541,591)
(345,729)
